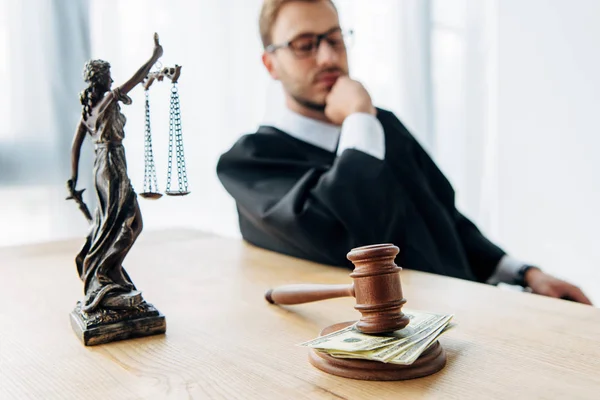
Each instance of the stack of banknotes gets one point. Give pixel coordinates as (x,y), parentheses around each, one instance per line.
(400,347)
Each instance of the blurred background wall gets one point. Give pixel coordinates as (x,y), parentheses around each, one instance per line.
(503,93)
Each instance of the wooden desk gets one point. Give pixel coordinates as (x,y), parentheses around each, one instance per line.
(224,341)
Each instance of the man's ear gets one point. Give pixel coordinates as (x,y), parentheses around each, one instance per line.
(269,62)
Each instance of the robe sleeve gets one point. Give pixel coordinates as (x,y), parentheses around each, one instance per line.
(319,212)
(483,255)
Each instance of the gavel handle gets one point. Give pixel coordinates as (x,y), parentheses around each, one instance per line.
(306,293)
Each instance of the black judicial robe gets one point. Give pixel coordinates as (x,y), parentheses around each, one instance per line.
(303,201)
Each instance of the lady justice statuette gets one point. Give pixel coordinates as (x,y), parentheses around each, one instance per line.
(112,307)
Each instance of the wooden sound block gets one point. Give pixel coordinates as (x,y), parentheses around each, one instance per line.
(430,362)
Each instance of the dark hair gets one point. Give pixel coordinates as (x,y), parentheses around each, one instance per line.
(95,72)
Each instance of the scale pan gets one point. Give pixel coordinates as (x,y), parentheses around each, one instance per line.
(173,193)
(151,195)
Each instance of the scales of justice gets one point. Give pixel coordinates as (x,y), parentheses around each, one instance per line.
(112,307)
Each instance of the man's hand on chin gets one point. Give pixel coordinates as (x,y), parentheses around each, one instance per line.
(547,285)
(346,97)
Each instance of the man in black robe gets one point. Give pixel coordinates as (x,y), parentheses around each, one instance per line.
(331,172)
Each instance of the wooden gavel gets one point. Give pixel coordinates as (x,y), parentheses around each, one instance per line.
(376,287)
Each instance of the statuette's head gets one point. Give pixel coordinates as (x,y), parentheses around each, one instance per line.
(97,73)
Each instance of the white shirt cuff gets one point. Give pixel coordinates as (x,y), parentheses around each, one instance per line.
(364,132)
(506,271)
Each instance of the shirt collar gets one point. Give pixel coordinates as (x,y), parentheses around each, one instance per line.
(312,131)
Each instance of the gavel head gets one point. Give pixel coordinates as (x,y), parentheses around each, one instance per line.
(377,288)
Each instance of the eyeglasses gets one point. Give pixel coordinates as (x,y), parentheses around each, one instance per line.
(307,45)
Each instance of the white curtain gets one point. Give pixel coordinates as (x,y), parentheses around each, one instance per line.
(464,52)
(43,45)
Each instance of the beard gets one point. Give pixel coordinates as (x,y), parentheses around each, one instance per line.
(311,105)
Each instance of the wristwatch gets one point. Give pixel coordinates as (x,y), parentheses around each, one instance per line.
(520,278)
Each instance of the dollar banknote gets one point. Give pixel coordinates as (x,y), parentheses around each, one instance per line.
(350,339)
(396,351)
(403,346)
(411,354)
(393,351)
